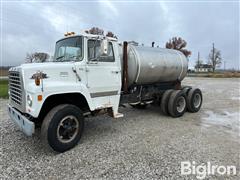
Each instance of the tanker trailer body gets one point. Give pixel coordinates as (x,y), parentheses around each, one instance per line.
(91,75)
(153,76)
(147,65)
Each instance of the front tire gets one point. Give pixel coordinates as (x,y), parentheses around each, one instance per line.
(62,127)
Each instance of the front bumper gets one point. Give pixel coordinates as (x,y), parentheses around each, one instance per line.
(25,125)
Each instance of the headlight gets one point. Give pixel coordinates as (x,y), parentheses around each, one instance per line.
(29,100)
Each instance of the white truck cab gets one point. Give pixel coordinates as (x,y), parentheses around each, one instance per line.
(89,75)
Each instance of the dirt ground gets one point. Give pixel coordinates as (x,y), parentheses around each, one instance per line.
(142,145)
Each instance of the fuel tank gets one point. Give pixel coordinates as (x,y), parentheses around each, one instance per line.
(148,65)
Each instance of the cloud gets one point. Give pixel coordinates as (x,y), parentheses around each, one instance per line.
(173,20)
(57,20)
(110,7)
(62,19)
(36,26)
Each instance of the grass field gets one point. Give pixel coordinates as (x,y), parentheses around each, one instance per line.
(3,88)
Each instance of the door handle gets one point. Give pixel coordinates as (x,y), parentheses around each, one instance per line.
(116,72)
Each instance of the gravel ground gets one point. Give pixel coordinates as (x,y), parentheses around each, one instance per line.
(142,145)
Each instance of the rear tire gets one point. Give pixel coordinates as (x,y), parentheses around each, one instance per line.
(194,100)
(164,101)
(185,90)
(177,103)
(62,127)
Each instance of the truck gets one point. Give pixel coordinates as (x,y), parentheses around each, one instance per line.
(91,75)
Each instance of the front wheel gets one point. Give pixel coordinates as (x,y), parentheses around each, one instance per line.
(62,127)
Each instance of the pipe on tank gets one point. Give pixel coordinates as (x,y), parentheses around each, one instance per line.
(153,44)
(125,67)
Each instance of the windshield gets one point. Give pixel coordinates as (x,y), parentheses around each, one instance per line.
(69,49)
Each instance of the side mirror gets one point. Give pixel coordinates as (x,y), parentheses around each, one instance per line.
(104,47)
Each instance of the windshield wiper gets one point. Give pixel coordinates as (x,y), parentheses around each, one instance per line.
(94,59)
(60,57)
(67,58)
(74,56)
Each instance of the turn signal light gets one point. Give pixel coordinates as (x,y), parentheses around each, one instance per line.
(39,97)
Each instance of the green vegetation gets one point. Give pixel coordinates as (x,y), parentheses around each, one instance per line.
(3,88)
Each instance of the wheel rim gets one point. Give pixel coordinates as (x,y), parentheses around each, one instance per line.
(197,100)
(181,103)
(67,129)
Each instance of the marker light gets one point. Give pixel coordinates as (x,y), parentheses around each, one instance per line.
(39,97)
(69,34)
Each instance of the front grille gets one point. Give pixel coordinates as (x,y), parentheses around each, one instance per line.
(15,87)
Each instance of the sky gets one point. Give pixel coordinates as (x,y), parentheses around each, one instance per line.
(35,26)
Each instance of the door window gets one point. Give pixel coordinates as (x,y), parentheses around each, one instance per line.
(94,52)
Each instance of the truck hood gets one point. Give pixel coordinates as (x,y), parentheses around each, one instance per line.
(56,72)
(45,66)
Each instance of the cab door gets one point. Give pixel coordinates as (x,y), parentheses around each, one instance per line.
(103,72)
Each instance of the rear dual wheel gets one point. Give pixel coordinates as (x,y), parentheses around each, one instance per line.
(164,101)
(173,103)
(194,100)
(176,102)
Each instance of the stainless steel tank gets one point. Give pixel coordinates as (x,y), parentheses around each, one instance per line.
(148,65)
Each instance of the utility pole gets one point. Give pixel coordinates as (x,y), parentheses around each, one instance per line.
(213,60)
(198,62)
(225,65)
(213,52)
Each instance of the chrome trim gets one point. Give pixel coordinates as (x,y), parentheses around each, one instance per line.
(25,125)
(16,91)
(100,94)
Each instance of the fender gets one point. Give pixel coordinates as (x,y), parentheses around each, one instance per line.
(53,90)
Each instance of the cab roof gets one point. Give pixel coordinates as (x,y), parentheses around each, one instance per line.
(90,36)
